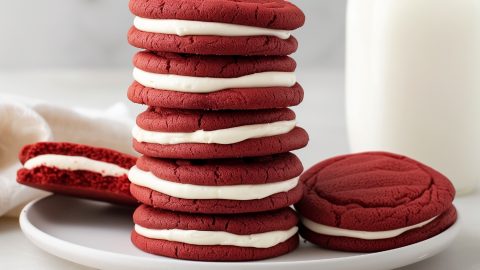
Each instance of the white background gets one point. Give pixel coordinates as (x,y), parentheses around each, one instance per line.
(92,33)
(75,52)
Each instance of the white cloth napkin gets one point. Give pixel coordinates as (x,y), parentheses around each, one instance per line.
(24,121)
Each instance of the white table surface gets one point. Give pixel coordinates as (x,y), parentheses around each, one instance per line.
(321,113)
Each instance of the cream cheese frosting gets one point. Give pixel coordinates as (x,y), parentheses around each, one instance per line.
(219,136)
(75,163)
(366,235)
(190,84)
(199,192)
(201,28)
(208,238)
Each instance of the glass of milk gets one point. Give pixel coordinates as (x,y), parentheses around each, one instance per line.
(413,82)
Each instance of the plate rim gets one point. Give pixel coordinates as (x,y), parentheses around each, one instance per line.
(84,254)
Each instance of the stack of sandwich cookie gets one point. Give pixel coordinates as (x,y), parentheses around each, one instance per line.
(374,201)
(216,137)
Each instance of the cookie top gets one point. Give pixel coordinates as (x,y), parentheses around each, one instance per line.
(232,99)
(259,170)
(210,66)
(71,149)
(212,44)
(241,224)
(373,191)
(176,120)
(272,14)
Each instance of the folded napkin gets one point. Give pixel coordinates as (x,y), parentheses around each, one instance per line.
(24,121)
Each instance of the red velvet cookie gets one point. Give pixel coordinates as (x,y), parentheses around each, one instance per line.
(212,45)
(275,14)
(215,67)
(215,237)
(77,170)
(222,186)
(267,15)
(374,201)
(195,134)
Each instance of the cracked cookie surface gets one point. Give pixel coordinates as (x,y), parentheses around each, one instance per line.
(230,99)
(153,218)
(210,66)
(274,14)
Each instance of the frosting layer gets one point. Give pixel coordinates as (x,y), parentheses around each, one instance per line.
(220,136)
(367,235)
(209,238)
(200,28)
(75,163)
(190,84)
(198,192)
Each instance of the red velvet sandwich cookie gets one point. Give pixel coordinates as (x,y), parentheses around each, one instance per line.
(220,186)
(213,27)
(196,134)
(77,170)
(374,201)
(172,80)
(215,237)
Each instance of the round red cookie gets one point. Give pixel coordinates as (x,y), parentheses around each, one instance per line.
(241,225)
(272,14)
(216,67)
(212,45)
(78,183)
(163,121)
(375,192)
(220,172)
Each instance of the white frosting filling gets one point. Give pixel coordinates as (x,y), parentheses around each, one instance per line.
(190,84)
(219,136)
(198,192)
(208,238)
(367,235)
(200,28)
(75,163)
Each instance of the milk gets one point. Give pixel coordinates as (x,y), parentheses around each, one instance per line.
(413,82)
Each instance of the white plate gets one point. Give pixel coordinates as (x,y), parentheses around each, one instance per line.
(98,235)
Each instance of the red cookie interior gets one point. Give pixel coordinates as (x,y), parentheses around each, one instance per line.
(84,184)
